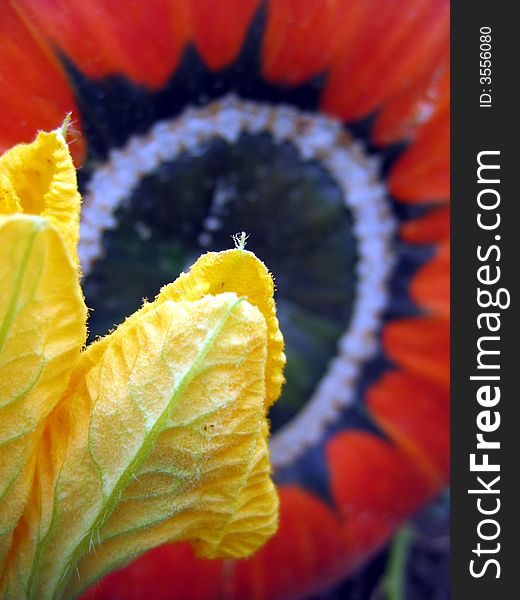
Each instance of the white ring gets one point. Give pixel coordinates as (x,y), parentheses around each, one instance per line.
(316,138)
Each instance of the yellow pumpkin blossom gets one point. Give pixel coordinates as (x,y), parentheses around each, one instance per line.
(154,433)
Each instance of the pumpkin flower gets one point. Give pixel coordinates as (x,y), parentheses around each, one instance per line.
(156,432)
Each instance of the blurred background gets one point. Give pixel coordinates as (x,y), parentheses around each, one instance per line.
(321,129)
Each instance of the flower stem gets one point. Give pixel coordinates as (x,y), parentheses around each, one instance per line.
(394,583)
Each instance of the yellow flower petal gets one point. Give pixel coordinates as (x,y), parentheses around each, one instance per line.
(156,433)
(255,518)
(237,271)
(160,437)
(9,201)
(40,179)
(42,331)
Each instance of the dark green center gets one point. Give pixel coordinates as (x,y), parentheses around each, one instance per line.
(298,225)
